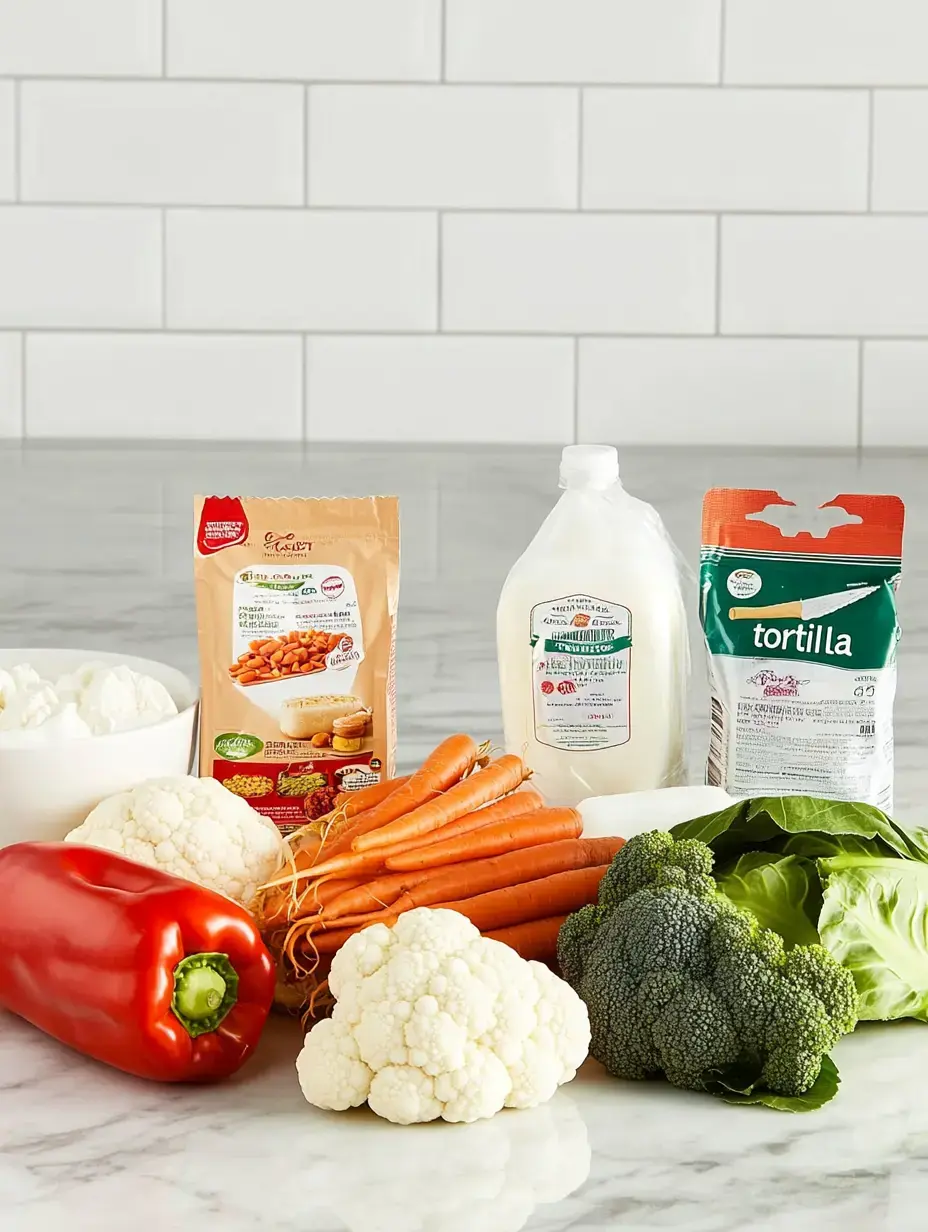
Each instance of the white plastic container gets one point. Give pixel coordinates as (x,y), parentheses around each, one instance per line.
(592,642)
(47,789)
(636,812)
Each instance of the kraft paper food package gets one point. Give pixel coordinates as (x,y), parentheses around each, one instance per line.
(801,629)
(296,608)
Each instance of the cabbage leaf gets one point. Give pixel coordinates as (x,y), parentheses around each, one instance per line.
(874,921)
(783,892)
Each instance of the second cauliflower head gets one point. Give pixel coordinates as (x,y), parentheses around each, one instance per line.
(192,828)
(681,982)
(433,1020)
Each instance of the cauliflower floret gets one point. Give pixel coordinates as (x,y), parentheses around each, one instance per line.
(404,1095)
(331,1071)
(446,1022)
(192,828)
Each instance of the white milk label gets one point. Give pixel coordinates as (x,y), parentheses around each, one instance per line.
(581,661)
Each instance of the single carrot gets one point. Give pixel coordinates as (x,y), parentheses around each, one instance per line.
(374,895)
(531,830)
(346,820)
(516,804)
(330,942)
(535,940)
(453,758)
(499,778)
(558,894)
(405,891)
(354,802)
(533,900)
(444,766)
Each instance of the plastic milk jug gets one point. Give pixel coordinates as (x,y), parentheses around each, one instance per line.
(592,642)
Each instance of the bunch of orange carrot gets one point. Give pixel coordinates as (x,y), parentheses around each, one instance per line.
(464,832)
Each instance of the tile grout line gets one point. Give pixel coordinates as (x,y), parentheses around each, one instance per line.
(498,211)
(443,50)
(164,270)
(440,272)
(540,84)
(871,146)
(723,22)
(304,382)
(581,104)
(576,436)
(306,146)
(164,38)
(542,334)
(17,140)
(860,394)
(22,385)
(718,274)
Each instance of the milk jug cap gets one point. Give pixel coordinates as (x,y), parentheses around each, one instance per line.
(589,466)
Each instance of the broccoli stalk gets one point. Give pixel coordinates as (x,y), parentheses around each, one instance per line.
(680,982)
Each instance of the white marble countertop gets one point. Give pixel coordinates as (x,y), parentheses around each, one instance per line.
(95,551)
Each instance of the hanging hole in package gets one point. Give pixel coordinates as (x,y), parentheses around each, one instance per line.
(296,608)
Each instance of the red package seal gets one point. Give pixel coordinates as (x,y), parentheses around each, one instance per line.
(223,524)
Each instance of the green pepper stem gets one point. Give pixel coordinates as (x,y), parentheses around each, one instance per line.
(205,990)
(199,993)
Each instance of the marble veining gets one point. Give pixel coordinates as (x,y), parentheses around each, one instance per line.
(95,551)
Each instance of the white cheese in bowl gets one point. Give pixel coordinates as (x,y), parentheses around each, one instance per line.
(94,700)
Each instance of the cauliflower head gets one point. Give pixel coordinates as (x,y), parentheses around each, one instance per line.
(192,828)
(679,981)
(433,1020)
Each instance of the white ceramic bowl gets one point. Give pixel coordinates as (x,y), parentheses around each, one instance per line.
(48,789)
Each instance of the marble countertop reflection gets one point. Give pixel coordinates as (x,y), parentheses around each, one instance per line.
(95,551)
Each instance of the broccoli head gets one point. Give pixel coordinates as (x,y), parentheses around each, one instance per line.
(678,981)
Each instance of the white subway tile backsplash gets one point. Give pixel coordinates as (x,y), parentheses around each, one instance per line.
(92,38)
(895,394)
(718,391)
(80,267)
(11,386)
(144,385)
(900,138)
(825,275)
(443,146)
(293,269)
(8,140)
(440,389)
(592,273)
(725,149)
(663,41)
(695,221)
(162,142)
(826,42)
(334,40)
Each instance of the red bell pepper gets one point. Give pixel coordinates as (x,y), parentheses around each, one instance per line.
(154,975)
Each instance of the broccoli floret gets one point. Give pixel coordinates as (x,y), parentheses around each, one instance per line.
(655,859)
(678,981)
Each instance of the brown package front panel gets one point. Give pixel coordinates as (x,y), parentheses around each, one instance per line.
(296,606)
